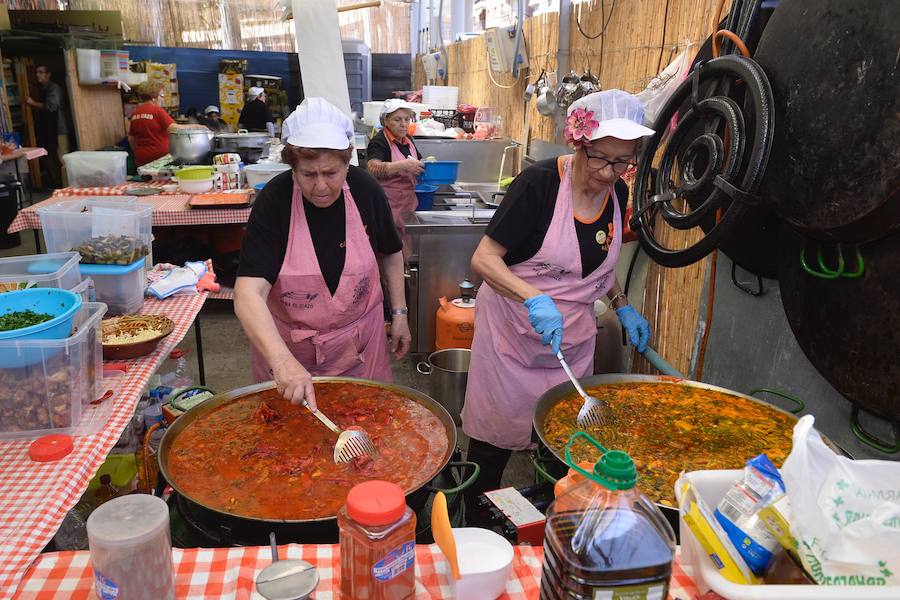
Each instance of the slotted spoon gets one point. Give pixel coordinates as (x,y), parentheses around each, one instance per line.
(594,412)
(350,443)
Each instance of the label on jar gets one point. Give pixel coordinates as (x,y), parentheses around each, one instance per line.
(395,562)
(106,588)
(632,592)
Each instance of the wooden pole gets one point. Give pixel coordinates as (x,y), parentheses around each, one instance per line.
(22,65)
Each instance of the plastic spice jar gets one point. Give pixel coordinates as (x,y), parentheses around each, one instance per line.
(131,550)
(378,543)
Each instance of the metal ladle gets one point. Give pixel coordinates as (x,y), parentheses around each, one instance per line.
(291,579)
(350,443)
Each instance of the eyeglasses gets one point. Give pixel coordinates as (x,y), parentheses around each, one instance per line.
(618,166)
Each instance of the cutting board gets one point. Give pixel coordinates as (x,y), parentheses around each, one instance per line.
(220,200)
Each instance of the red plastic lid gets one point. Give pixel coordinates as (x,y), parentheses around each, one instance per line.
(176,354)
(50,447)
(376,503)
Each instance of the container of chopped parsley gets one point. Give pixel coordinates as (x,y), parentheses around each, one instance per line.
(21,319)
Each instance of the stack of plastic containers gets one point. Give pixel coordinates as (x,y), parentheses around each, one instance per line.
(45,384)
(113,237)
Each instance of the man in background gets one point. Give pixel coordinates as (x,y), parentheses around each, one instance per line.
(255,115)
(50,124)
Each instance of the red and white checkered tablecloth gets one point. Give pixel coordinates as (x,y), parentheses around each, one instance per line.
(168,210)
(34,497)
(230,573)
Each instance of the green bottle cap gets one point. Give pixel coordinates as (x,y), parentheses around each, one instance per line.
(616,470)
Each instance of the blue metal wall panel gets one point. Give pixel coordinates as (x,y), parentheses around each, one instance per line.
(198,70)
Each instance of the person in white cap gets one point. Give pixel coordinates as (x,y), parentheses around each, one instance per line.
(393,159)
(212,120)
(255,116)
(319,240)
(548,254)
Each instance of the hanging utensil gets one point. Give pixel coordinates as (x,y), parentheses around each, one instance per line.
(350,444)
(443,533)
(594,412)
(291,579)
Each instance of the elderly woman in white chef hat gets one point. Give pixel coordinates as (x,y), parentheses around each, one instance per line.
(548,254)
(393,159)
(319,241)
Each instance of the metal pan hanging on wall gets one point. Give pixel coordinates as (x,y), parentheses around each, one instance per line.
(843,306)
(836,83)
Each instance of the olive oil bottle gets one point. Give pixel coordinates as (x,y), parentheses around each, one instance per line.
(604,539)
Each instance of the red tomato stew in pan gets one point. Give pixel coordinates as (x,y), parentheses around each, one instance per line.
(261,457)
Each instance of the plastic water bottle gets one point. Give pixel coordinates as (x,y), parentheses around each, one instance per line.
(604,538)
(153,412)
(182,376)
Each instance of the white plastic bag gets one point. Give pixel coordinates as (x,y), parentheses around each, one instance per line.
(657,92)
(846,512)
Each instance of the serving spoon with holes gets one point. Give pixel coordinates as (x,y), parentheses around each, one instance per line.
(350,443)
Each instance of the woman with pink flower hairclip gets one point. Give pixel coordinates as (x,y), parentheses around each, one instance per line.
(548,253)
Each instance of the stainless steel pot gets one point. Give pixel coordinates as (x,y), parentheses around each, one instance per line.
(449,372)
(190,145)
(242,140)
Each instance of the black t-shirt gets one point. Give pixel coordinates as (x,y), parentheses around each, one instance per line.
(380,149)
(255,115)
(265,242)
(522,220)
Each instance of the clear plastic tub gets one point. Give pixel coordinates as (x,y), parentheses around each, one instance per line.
(57,270)
(120,287)
(114,230)
(96,169)
(47,396)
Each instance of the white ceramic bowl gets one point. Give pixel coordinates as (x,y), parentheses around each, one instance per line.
(263,172)
(485,561)
(195,186)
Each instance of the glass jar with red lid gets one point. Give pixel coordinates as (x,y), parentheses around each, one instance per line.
(378,543)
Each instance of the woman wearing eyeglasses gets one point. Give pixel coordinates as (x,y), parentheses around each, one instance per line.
(548,253)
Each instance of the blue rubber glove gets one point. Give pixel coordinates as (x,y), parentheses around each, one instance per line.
(546,320)
(635,325)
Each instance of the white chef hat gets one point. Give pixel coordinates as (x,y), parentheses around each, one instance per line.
(254,92)
(317,123)
(618,114)
(392,105)
(210,108)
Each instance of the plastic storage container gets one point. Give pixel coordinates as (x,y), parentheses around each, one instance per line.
(378,543)
(440,172)
(263,172)
(120,287)
(47,396)
(131,549)
(58,270)
(95,169)
(440,96)
(60,305)
(604,538)
(425,195)
(114,231)
(711,486)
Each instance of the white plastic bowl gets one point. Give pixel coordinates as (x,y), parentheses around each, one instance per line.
(485,561)
(195,186)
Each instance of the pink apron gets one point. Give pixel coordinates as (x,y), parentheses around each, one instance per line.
(329,335)
(510,367)
(401,190)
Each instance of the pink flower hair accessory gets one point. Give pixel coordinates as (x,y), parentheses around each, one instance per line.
(580,124)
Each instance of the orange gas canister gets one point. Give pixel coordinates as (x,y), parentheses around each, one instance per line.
(455,324)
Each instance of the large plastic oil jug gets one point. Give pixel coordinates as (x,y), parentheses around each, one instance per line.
(455,324)
(604,538)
